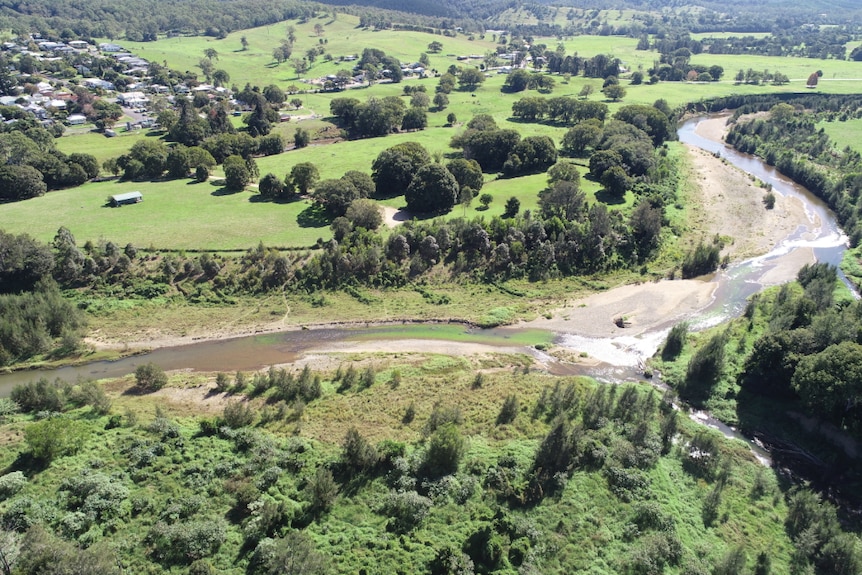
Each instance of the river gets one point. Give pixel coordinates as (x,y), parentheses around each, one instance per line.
(618,358)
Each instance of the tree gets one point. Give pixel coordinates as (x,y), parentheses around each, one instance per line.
(513,206)
(445,449)
(357,454)
(602,160)
(88,162)
(19,182)
(301,138)
(616,181)
(532,154)
(468,173)
(236,172)
(244,41)
(485,200)
(394,168)
(649,119)
(321,490)
(470,78)
(435,47)
(517,81)
(150,377)
(441,100)
(420,100)
(282,53)
(415,119)
(167,119)
(270,187)
(293,554)
(304,175)
(564,171)
(564,200)
(813,79)
(364,213)
(829,382)
(274,95)
(586,91)
(220,78)
(614,92)
(645,224)
(178,162)
(211,54)
(433,189)
(336,195)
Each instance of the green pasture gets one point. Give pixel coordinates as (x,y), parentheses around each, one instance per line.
(99,145)
(847,133)
(342,37)
(175,214)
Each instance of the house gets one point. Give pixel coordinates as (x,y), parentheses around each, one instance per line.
(76,119)
(78,44)
(94,83)
(108,47)
(118,200)
(132,99)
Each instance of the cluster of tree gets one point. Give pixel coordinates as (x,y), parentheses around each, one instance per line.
(377,116)
(790,140)
(567,238)
(520,80)
(375,62)
(810,350)
(30,164)
(37,322)
(561,109)
(800,41)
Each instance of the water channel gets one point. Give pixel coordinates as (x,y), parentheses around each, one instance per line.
(619,358)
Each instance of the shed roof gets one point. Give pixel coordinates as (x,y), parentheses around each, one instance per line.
(126,196)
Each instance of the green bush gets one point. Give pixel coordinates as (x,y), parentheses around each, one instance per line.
(675,341)
(11,483)
(184,542)
(238,414)
(54,437)
(150,377)
(445,449)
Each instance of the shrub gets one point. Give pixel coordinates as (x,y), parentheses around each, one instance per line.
(445,450)
(321,490)
(675,341)
(40,395)
(705,368)
(406,510)
(187,541)
(11,483)
(150,377)
(238,414)
(54,437)
(509,411)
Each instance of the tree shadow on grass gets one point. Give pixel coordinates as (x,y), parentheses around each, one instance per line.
(224,191)
(610,199)
(314,216)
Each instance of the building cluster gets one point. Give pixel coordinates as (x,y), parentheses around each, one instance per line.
(50,100)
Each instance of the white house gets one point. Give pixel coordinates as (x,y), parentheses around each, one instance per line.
(76,119)
(132,99)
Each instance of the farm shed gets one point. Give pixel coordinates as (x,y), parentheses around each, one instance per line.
(118,200)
